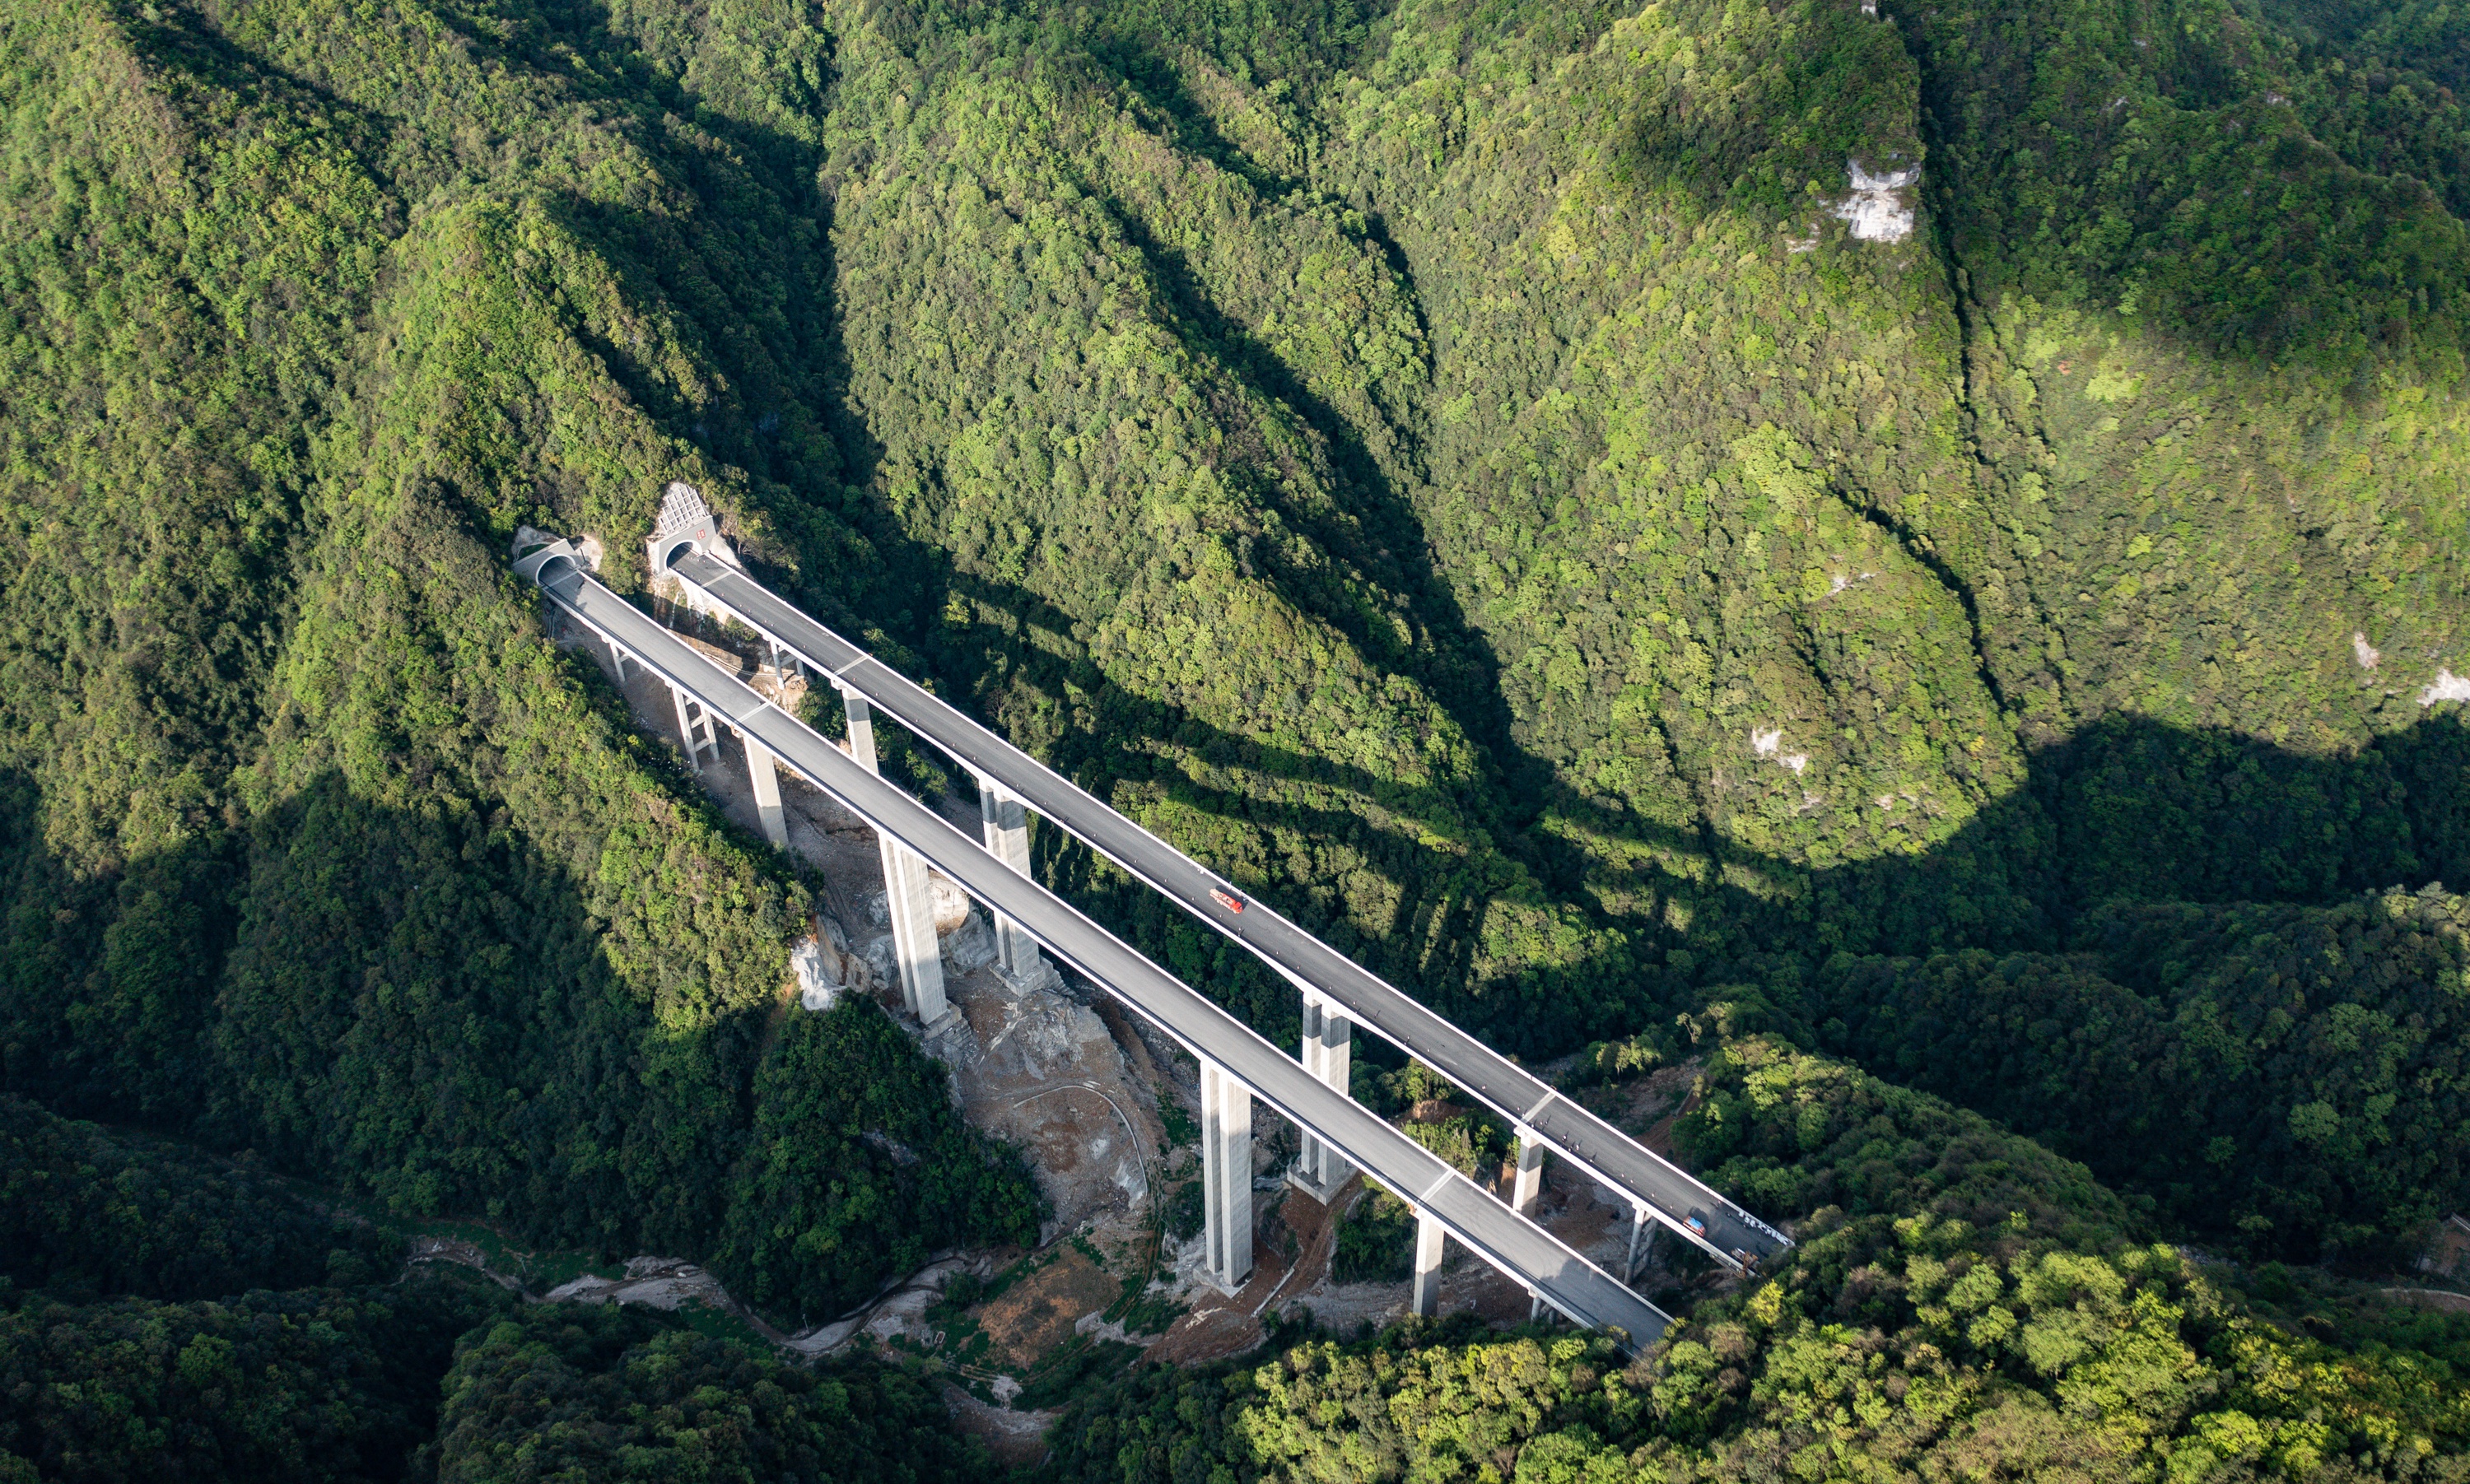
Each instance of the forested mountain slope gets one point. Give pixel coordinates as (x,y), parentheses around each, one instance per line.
(1962,1304)
(1452,466)
(2291,1075)
(321,849)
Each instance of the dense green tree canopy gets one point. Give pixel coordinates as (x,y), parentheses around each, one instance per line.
(317,1384)
(563,1392)
(1962,1303)
(1452,466)
(2281,1078)
(83,1212)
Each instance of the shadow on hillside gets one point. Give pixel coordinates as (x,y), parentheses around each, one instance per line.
(1460,671)
(2127,808)
(417,1003)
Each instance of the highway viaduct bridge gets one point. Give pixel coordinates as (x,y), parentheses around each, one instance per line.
(1236,1064)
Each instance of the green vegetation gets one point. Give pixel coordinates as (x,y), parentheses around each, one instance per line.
(1471,1140)
(1450,466)
(1376,1243)
(1600,593)
(316,848)
(84,1213)
(860,1165)
(2288,1080)
(1962,1303)
(320,1384)
(603,1393)
(339,1379)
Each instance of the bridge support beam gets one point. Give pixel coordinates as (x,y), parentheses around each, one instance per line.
(1225,1176)
(763,773)
(1430,1242)
(1006,833)
(1530,1173)
(905,891)
(1637,1230)
(1327,1055)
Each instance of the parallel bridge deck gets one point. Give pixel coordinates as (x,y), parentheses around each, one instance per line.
(1573,1286)
(1667,1192)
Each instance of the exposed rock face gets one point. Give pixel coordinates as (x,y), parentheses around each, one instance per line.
(884,960)
(1879,209)
(1053,1081)
(968,944)
(947,901)
(826,967)
(818,984)
(2448,687)
(965,936)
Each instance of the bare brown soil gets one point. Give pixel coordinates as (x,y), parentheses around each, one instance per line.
(1038,1312)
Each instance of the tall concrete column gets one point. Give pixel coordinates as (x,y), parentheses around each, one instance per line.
(1336,1065)
(1307,1157)
(762,771)
(1530,1173)
(1430,1244)
(1326,1054)
(1637,1229)
(905,891)
(1225,1176)
(686,731)
(1007,835)
(912,899)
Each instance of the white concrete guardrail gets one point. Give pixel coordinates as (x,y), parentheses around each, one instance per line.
(1444,1199)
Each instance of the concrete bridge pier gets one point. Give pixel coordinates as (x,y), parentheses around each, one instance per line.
(762,770)
(1007,834)
(1530,1173)
(1431,1244)
(1226,1177)
(1637,1229)
(1328,1056)
(695,729)
(905,891)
